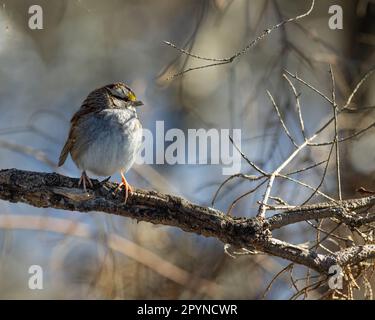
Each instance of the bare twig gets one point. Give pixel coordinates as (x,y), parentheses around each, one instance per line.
(295,76)
(334,106)
(222,61)
(238,175)
(298,105)
(252,164)
(359,84)
(281,119)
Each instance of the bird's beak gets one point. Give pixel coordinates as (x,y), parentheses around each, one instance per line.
(137,103)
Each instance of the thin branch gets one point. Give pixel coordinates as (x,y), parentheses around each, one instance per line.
(268,288)
(235,201)
(350,137)
(317,189)
(303,184)
(334,106)
(238,175)
(281,119)
(359,84)
(307,168)
(252,164)
(263,207)
(221,61)
(294,76)
(195,55)
(298,105)
(268,31)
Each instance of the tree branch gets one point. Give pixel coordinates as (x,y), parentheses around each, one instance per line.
(341,210)
(57,191)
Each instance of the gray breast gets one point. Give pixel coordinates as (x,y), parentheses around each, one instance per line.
(108,142)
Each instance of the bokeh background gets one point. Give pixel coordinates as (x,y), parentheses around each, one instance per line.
(46,74)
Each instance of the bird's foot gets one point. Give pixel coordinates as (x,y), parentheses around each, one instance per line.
(83,180)
(126,186)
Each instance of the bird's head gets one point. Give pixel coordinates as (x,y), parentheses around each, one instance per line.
(122,93)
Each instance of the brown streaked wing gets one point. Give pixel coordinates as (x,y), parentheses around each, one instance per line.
(85,109)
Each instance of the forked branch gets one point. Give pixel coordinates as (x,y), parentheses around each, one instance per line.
(52,190)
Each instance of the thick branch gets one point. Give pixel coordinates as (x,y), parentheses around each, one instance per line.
(56,191)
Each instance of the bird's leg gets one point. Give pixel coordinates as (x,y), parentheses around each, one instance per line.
(124,184)
(84,178)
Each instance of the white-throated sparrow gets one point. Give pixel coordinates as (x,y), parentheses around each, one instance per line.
(105,134)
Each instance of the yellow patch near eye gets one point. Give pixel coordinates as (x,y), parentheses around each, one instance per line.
(132,96)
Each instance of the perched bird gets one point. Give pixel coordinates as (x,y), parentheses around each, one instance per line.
(105,134)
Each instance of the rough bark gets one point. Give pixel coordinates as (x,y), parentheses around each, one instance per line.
(52,190)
